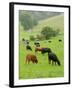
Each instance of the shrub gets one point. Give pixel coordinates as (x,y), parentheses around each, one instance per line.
(32,38)
(40,37)
(48,32)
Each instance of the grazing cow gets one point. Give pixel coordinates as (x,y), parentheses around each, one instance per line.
(26,42)
(52,57)
(49,41)
(28,47)
(31,58)
(37,44)
(23,39)
(60,40)
(42,50)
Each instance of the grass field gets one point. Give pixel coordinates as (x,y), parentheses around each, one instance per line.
(42,69)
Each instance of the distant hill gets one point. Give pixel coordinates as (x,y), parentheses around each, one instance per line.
(40,15)
(56,22)
(30,19)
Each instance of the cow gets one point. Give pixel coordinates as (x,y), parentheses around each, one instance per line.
(37,44)
(28,48)
(53,57)
(31,58)
(60,40)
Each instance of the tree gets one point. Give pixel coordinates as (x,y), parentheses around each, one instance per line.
(27,20)
(48,32)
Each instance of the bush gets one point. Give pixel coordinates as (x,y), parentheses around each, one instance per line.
(48,32)
(40,37)
(32,38)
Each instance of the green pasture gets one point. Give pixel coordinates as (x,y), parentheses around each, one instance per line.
(43,69)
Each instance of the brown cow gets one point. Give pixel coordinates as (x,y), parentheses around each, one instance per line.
(31,58)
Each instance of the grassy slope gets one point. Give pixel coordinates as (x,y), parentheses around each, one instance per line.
(54,22)
(43,69)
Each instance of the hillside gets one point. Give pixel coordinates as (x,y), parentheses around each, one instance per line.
(56,22)
(38,15)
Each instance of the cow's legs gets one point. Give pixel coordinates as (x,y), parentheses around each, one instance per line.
(49,61)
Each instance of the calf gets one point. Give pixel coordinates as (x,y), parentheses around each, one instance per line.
(31,58)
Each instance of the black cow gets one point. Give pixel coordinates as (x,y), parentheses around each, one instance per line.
(53,57)
(37,44)
(23,39)
(28,47)
(49,41)
(60,40)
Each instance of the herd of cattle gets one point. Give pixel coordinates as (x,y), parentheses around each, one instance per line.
(52,57)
